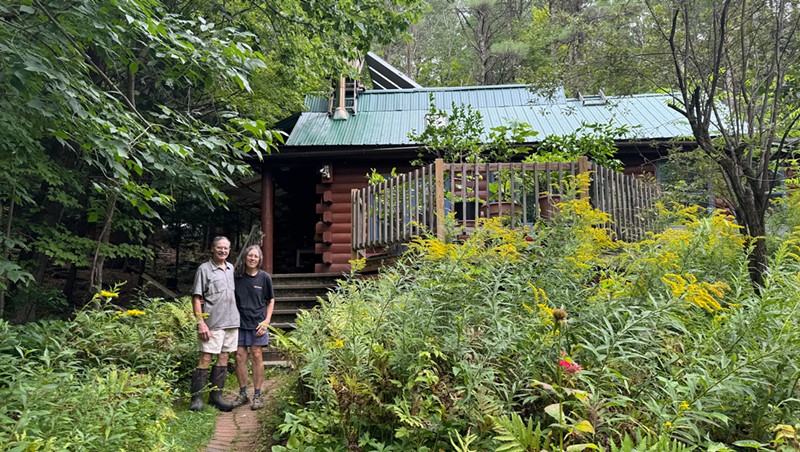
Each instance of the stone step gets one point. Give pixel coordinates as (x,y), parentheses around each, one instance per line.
(273,357)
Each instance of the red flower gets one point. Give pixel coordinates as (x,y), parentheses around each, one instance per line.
(569,366)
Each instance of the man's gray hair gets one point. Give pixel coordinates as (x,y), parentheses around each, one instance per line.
(218,239)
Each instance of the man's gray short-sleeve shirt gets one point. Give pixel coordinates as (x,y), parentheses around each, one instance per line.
(216,286)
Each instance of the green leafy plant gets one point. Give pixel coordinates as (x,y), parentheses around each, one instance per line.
(103,381)
(556,332)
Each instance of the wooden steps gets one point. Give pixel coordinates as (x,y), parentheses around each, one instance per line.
(295,292)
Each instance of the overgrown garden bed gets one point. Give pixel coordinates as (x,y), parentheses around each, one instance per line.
(557,338)
(109,379)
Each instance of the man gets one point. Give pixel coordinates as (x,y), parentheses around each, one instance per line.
(214,306)
(255,300)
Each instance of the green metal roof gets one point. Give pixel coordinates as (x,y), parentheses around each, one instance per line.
(385,117)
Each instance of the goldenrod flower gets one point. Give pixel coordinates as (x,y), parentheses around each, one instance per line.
(701,294)
(131,313)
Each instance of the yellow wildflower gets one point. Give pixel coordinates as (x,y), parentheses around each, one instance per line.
(703,294)
(131,313)
(107,294)
(356,265)
(546,314)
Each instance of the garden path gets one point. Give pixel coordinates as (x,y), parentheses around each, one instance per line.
(238,430)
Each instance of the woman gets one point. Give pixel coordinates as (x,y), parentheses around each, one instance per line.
(255,300)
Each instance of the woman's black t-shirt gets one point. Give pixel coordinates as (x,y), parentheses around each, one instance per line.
(252,295)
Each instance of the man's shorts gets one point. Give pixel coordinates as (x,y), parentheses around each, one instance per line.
(220,341)
(248,338)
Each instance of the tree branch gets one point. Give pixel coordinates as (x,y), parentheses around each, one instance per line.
(88,59)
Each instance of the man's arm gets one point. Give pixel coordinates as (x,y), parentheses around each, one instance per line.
(202,329)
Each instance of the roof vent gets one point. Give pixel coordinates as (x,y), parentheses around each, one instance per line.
(597,99)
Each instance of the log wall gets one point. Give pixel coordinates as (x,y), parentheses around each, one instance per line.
(333,228)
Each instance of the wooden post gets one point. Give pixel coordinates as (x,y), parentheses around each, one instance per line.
(267,217)
(356,216)
(583,167)
(439,187)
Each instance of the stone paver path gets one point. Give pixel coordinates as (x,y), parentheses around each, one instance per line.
(238,430)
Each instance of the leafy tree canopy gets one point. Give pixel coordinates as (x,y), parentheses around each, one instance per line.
(141,103)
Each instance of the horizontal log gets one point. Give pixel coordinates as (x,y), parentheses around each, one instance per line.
(342,180)
(341,218)
(337,268)
(336,258)
(335,208)
(340,197)
(320,227)
(327,197)
(327,217)
(341,248)
(336,237)
(340,258)
(337,228)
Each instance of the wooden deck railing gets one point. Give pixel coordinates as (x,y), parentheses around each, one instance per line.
(629,200)
(400,208)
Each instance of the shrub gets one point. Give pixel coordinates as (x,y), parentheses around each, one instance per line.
(103,381)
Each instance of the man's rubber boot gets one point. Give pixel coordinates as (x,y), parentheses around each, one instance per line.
(218,374)
(199,377)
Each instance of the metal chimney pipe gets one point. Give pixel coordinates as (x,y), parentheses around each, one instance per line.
(340,114)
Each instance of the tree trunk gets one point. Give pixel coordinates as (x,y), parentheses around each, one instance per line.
(749,210)
(96,278)
(6,251)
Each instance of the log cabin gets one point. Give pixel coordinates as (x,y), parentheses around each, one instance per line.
(304,191)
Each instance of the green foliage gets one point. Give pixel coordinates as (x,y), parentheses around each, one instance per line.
(455,136)
(591,47)
(104,381)
(554,337)
(645,443)
(515,435)
(115,112)
(463,44)
(459,135)
(596,141)
(691,178)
